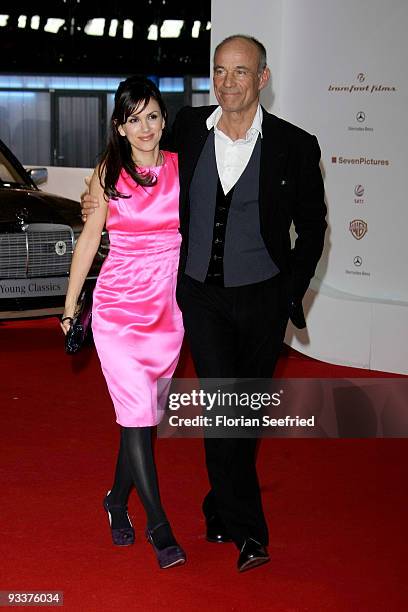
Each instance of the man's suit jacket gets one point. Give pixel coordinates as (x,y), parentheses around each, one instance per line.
(290,189)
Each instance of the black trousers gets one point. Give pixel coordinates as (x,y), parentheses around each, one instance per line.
(234,332)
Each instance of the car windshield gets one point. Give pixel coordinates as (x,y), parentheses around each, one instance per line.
(9,175)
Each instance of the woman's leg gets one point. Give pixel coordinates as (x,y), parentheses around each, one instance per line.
(137,442)
(122,485)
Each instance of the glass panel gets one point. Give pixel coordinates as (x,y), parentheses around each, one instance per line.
(201,84)
(200,99)
(78,143)
(59,82)
(25,125)
(171,84)
(110,101)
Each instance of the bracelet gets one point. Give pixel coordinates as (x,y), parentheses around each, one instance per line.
(67,319)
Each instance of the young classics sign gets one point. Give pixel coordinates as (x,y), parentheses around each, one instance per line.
(28,287)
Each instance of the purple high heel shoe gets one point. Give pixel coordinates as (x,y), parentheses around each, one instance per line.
(168,556)
(124,536)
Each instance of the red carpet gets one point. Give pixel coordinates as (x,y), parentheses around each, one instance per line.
(336,508)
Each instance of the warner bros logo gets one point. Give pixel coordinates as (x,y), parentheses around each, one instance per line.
(358,228)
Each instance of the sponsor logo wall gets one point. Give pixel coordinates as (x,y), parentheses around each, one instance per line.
(350,89)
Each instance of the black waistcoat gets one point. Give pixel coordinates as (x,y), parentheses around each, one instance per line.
(225,242)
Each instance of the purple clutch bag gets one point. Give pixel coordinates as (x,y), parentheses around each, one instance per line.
(80,328)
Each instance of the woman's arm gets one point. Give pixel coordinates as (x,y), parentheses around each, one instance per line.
(85,250)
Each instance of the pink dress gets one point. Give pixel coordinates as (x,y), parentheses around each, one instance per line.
(136,323)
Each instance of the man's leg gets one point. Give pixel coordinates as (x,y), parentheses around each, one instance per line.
(211,335)
(210,328)
(261,317)
(229,331)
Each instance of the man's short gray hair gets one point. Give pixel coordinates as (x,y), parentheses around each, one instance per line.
(251,39)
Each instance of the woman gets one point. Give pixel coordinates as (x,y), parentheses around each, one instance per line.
(136,323)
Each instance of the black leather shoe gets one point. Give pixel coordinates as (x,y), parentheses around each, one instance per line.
(216,531)
(252,554)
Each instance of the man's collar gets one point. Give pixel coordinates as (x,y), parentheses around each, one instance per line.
(215,116)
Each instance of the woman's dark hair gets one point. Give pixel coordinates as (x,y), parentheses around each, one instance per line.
(133,93)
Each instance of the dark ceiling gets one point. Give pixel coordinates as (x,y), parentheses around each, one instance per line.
(72,51)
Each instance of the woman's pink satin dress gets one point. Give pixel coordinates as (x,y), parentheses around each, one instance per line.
(136,323)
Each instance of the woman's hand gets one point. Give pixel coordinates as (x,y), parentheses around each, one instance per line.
(65,322)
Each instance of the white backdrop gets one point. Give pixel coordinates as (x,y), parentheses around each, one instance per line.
(345,66)
(330,62)
(339,71)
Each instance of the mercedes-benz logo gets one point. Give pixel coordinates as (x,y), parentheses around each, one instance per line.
(360,116)
(357,261)
(60,248)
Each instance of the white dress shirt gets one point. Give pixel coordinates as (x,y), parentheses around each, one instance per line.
(232,156)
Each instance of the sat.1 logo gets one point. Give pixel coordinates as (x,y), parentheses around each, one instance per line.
(359,192)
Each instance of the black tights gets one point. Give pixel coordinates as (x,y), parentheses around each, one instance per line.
(136,466)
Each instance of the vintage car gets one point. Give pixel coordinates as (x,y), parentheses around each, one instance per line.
(38,232)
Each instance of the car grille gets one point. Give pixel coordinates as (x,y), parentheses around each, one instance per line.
(42,250)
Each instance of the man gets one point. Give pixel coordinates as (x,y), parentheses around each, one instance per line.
(245,175)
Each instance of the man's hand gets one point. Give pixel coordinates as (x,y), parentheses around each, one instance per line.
(88,202)
(296,314)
